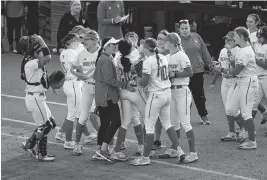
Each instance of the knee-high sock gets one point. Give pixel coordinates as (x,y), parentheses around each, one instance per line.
(254,113)
(231,123)
(68,130)
(173,137)
(79,131)
(240,121)
(191,140)
(158,128)
(178,133)
(148,144)
(62,128)
(261,108)
(120,138)
(251,129)
(139,134)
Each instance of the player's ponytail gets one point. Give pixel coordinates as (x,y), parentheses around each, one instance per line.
(125,48)
(156,50)
(151,44)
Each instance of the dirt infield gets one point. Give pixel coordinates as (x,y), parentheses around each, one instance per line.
(217,160)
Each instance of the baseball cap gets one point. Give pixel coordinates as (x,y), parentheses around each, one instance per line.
(111,41)
(229,35)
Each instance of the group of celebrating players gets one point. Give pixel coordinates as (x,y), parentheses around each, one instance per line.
(151,79)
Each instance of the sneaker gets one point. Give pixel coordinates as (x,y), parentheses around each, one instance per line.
(248,144)
(110,149)
(60,136)
(180,155)
(97,157)
(204,120)
(123,146)
(229,137)
(77,151)
(45,158)
(139,150)
(156,145)
(103,155)
(69,145)
(141,161)
(92,137)
(190,158)
(30,152)
(264,117)
(169,153)
(118,156)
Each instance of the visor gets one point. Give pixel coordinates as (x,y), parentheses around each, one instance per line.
(111,41)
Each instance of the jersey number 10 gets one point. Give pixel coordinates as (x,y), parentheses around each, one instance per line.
(164,73)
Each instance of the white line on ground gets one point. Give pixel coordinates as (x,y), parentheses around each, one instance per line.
(158,162)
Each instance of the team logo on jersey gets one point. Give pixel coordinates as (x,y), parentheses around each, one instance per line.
(83,20)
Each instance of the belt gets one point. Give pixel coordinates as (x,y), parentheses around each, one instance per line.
(176,86)
(228,76)
(32,93)
(262,75)
(89,82)
(135,85)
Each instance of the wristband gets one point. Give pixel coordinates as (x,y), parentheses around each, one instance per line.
(112,21)
(46,51)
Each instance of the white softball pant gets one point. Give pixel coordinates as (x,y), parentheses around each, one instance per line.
(262,91)
(158,105)
(87,102)
(180,108)
(227,90)
(132,105)
(72,90)
(36,104)
(243,97)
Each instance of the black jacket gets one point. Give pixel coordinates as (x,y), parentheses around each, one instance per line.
(67,23)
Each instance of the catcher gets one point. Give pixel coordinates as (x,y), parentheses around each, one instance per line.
(33,72)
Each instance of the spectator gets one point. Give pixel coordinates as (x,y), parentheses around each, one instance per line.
(71,19)
(2,25)
(14,11)
(109,14)
(33,17)
(199,56)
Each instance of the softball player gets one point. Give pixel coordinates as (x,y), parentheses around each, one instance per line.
(162,50)
(71,87)
(226,57)
(247,84)
(33,71)
(130,101)
(85,72)
(261,56)
(253,24)
(155,76)
(179,72)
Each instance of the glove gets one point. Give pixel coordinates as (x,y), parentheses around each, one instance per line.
(213,65)
(56,79)
(138,67)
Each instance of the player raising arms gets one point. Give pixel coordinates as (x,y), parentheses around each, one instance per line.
(71,87)
(226,58)
(261,61)
(85,72)
(155,76)
(130,101)
(179,72)
(34,74)
(247,84)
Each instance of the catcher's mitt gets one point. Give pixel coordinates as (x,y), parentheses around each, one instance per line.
(56,79)
(138,67)
(214,64)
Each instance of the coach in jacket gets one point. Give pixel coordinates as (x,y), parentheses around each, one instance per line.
(71,19)
(109,15)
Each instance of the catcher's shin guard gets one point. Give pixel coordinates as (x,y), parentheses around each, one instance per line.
(31,142)
(42,146)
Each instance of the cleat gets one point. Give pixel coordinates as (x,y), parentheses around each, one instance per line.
(139,150)
(45,158)
(69,145)
(60,136)
(118,156)
(91,138)
(141,161)
(204,120)
(123,146)
(30,152)
(104,155)
(248,145)
(156,145)
(229,137)
(169,153)
(190,158)
(77,151)
(243,136)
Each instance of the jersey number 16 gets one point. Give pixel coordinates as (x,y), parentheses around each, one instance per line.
(164,73)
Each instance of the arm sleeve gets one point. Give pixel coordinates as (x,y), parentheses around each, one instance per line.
(61,32)
(147,68)
(101,14)
(107,75)
(204,51)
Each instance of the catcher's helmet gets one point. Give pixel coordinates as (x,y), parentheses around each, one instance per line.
(262,32)
(28,44)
